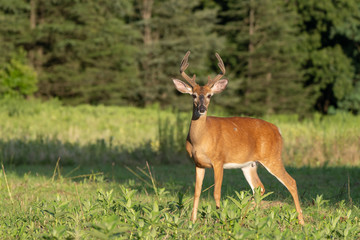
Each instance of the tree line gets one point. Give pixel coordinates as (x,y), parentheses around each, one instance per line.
(281,56)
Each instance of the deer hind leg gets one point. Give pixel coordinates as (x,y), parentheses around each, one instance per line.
(277,169)
(200,173)
(251,176)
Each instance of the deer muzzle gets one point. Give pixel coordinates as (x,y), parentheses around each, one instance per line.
(202,109)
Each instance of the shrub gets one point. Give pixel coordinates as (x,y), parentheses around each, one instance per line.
(17,78)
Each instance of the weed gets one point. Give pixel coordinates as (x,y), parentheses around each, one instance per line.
(88,208)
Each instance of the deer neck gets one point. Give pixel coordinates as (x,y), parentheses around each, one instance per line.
(197,126)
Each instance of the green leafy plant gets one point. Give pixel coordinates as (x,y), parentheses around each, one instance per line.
(17,78)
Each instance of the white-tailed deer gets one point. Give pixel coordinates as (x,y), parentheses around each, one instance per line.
(232,142)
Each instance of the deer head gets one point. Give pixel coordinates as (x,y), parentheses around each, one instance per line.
(200,94)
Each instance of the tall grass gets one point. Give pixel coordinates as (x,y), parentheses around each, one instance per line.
(33,132)
(320,141)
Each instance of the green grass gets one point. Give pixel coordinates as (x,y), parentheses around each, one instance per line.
(32,132)
(35,133)
(80,173)
(111,202)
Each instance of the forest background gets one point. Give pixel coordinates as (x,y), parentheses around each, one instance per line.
(92,130)
(281,56)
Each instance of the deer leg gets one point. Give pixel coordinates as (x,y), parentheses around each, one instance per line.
(251,176)
(218,175)
(200,173)
(277,169)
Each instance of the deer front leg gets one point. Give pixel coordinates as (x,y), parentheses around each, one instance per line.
(218,175)
(200,173)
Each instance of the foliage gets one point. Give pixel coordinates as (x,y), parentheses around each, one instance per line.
(17,78)
(91,206)
(264,50)
(330,31)
(81,50)
(333,68)
(175,26)
(288,57)
(351,101)
(14,27)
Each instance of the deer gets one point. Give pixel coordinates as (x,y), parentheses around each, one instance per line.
(230,142)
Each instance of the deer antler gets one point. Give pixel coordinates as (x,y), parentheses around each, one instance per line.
(183,67)
(211,82)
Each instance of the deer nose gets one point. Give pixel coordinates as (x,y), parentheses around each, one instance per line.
(202,109)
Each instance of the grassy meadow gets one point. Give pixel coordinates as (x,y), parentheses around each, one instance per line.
(82,173)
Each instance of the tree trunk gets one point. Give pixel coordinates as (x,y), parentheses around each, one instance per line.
(251,33)
(36,53)
(251,49)
(146,13)
(269,97)
(32,27)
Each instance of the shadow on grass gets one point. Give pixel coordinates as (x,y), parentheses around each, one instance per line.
(47,152)
(171,170)
(334,183)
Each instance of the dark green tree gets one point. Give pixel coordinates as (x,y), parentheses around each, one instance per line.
(263,49)
(82,50)
(331,30)
(14,27)
(351,102)
(169,29)
(280,56)
(87,56)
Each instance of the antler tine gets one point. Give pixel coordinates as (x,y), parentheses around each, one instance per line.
(221,64)
(183,67)
(221,74)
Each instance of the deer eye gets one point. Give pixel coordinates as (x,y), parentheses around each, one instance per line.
(194,96)
(208,96)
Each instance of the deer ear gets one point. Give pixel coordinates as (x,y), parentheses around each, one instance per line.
(219,86)
(182,87)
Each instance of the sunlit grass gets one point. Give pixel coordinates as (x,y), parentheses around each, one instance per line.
(114,203)
(34,132)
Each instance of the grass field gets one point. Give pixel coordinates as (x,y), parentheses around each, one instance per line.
(80,173)
(32,132)
(114,203)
